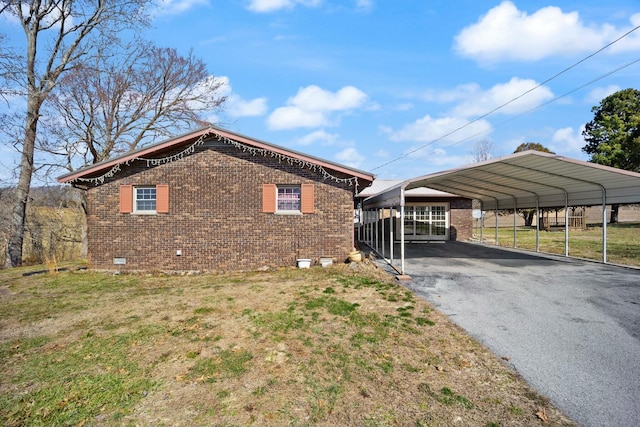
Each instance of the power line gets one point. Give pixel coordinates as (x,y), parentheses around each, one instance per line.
(518,97)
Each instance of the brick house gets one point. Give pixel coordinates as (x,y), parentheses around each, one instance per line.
(215,200)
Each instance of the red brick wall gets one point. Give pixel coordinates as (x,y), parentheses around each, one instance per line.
(461,219)
(215,216)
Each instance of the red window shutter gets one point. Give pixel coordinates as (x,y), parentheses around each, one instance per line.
(307,198)
(126,198)
(162,198)
(269,192)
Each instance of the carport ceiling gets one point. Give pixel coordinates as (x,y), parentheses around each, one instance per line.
(527,179)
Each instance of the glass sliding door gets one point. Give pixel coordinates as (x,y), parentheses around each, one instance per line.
(426,222)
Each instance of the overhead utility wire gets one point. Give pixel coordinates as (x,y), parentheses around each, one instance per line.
(511,100)
(622,67)
(546,103)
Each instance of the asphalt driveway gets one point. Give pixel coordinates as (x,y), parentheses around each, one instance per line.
(571,328)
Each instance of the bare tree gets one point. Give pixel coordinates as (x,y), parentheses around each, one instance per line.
(125,99)
(482,150)
(59,35)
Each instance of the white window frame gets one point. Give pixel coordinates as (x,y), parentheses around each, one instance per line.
(410,227)
(138,211)
(298,191)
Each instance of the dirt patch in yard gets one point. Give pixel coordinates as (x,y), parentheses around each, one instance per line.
(320,346)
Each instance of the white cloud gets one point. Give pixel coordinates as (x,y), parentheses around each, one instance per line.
(506,33)
(294,117)
(478,103)
(364,5)
(600,93)
(312,107)
(319,136)
(446,129)
(350,157)
(172,7)
(567,141)
(261,6)
(631,43)
(317,99)
(237,107)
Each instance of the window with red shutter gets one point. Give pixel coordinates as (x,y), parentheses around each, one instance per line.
(307,198)
(162,198)
(126,198)
(269,198)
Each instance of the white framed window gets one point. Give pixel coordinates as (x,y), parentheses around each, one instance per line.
(288,199)
(144,199)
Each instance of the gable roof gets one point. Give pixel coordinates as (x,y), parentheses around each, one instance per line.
(527,179)
(152,154)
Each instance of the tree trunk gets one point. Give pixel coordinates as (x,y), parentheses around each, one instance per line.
(614,214)
(19,212)
(528,217)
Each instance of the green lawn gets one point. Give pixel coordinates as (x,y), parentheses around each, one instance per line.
(623,241)
(320,346)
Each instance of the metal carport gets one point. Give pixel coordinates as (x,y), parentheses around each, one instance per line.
(529,179)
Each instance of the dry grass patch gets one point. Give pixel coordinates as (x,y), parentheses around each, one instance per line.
(333,346)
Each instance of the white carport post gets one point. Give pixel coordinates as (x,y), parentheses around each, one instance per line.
(402,230)
(566,223)
(496,214)
(515,216)
(391,227)
(604,225)
(537,224)
(376,240)
(481,222)
(382,234)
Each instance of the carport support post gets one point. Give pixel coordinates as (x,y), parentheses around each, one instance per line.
(496,223)
(401,230)
(515,216)
(481,221)
(382,233)
(537,225)
(375,242)
(391,225)
(566,224)
(604,226)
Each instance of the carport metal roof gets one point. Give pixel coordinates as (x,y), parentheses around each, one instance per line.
(528,179)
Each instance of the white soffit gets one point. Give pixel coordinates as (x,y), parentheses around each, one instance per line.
(521,179)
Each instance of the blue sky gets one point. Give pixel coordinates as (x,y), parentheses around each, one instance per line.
(368,82)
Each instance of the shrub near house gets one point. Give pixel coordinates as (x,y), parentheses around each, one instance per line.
(217,200)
